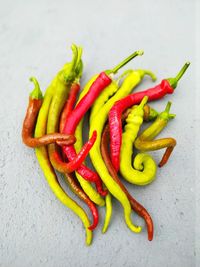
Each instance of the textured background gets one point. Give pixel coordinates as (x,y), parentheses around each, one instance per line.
(35,229)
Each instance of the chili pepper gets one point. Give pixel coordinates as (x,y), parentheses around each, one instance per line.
(136,206)
(69,105)
(144,141)
(56,107)
(45,164)
(166,86)
(141,175)
(87,187)
(101,82)
(131,80)
(70,177)
(35,102)
(82,195)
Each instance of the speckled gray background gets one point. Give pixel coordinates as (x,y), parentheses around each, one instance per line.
(35,228)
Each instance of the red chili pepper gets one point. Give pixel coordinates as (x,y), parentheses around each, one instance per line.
(70,177)
(56,160)
(136,206)
(166,86)
(69,105)
(102,81)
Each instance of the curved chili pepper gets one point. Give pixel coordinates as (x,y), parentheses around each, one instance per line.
(45,164)
(82,195)
(70,177)
(69,105)
(144,141)
(131,80)
(140,175)
(136,206)
(56,107)
(35,103)
(78,133)
(87,187)
(102,81)
(166,86)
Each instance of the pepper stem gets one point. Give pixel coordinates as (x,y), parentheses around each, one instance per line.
(125,61)
(165,114)
(143,102)
(174,81)
(168,106)
(36,93)
(182,71)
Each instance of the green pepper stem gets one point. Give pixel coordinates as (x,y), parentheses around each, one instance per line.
(168,106)
(182,71)
(125,61)
(36,93)
(143,102)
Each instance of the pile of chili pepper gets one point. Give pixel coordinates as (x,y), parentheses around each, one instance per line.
(53,126)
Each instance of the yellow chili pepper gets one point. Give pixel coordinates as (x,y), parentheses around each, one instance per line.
(131,80)
(87,187)
(43,159)
(145,166)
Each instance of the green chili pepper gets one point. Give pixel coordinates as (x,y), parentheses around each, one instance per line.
(131,80)
(45,164)
(144,141)
(145,167)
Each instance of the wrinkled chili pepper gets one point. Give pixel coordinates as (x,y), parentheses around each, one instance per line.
(136,206)
(166,86)
(69,105)
(70,177)
(45,164)
(87,187)
(56,107)
(101,82)
(97,123)
(35,103)
(82,195)
(145,141)
(145,166)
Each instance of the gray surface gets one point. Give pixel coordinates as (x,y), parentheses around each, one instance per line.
(35,229)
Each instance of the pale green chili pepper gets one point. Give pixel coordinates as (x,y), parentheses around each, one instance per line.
(145,166)
(45,164)
(131,80)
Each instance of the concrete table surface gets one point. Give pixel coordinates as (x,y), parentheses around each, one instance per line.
(35,38)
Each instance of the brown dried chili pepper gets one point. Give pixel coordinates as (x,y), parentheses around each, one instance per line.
(145,141)
(136,206)
(35,103)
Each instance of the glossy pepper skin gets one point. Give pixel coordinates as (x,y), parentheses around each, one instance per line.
(101,82)
(70,178)
(86,172)
(166,86)
(144,169)
(149,114)
(97,123)
(57,104)
(145,141)
(35,103)
(75,117)
(45,164)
